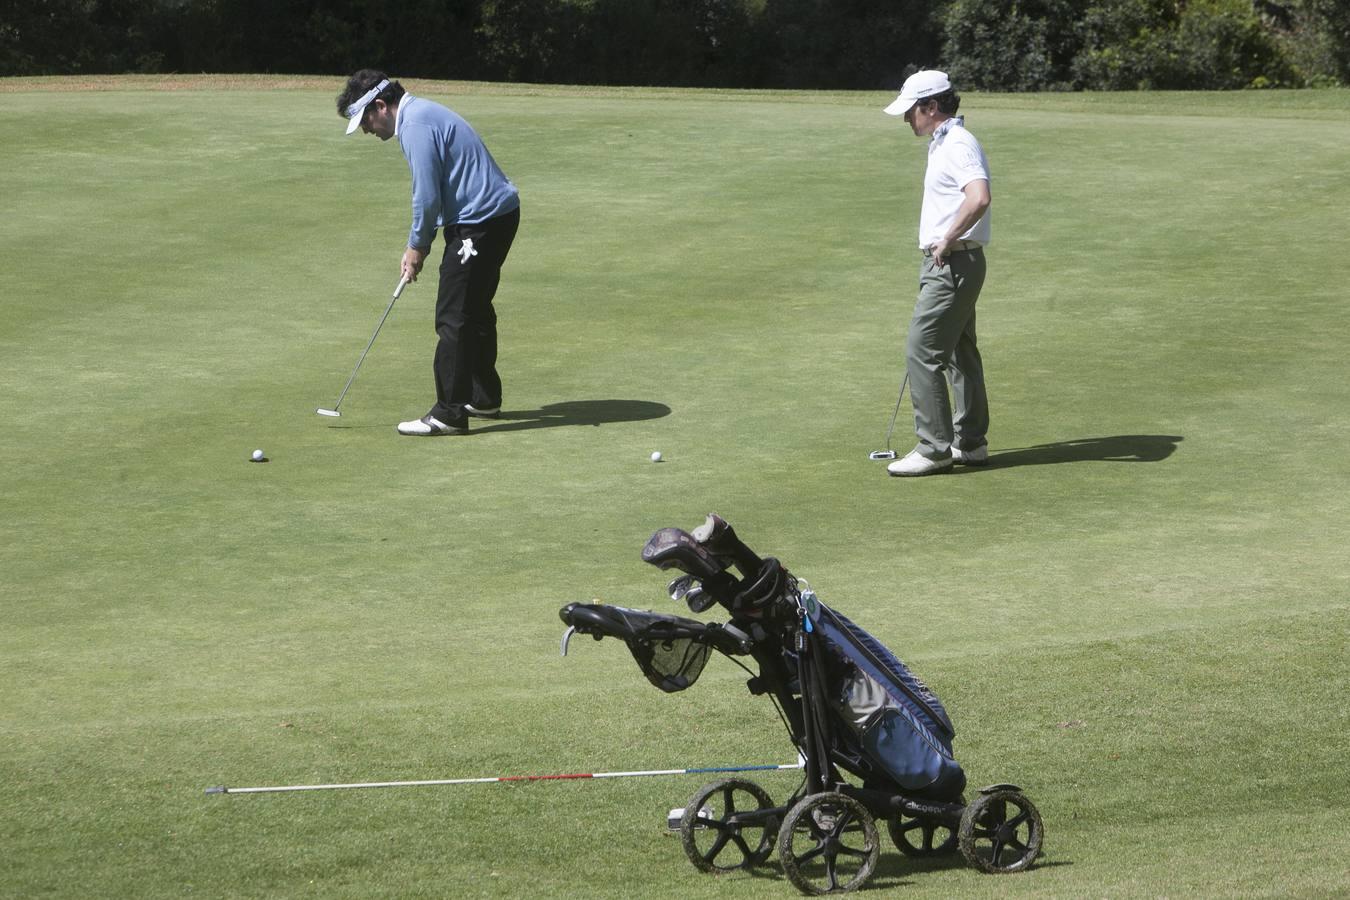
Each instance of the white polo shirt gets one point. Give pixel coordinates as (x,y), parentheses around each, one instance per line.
(955,159)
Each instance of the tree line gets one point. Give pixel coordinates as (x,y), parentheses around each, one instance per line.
(1004,45)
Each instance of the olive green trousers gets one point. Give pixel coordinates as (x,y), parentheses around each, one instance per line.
(941,350)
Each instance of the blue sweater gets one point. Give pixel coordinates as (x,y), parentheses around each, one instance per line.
(455,180)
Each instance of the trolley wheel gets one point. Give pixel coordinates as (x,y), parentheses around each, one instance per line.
(1001,832)
(921,837)
(828,844)
(724,827)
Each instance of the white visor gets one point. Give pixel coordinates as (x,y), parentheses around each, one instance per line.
(358,109)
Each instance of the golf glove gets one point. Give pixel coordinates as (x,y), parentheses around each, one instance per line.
(466,250)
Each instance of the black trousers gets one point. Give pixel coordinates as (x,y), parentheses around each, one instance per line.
(465,365)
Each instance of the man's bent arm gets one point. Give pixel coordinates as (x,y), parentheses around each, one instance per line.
(972,208)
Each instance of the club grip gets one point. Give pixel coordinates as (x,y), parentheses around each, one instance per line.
(720,539)
(402,283)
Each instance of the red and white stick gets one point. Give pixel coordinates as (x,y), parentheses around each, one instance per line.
(708,770)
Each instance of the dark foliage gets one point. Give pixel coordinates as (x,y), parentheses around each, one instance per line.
(1014,45)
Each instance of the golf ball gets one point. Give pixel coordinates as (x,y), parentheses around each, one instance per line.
(257,455)
(656,456)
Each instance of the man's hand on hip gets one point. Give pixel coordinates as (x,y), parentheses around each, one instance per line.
(938,250)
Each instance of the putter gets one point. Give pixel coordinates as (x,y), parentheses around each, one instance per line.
(402,283)
(888,453)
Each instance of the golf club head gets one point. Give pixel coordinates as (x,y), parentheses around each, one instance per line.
(329,412)
(882,454)
(699,600)
(680,586)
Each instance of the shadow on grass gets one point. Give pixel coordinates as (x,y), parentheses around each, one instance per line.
(1120,448)
(555,415)
(900,869)
(896,870)
(572,412)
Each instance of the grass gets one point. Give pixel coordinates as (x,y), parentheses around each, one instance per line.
(1137,612)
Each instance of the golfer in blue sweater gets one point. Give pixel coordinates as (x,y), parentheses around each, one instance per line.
(458,188)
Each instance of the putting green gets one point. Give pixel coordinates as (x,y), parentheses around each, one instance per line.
(1137,611)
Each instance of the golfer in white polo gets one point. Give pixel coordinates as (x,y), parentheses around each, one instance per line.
(953,229)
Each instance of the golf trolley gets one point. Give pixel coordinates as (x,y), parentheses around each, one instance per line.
(850,707)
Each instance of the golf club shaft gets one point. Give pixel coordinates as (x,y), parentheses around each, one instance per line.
(402,283)
(895,415)
(446,781)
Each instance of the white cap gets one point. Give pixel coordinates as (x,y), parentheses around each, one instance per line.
(358,109)
(923,84)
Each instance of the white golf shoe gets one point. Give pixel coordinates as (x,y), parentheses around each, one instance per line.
(429,425)
(915,463)
(977,457)
(483,412)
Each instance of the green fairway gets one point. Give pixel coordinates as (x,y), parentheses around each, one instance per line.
(1138,612)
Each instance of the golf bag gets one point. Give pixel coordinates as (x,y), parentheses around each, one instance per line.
(898,722)
(874,740)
